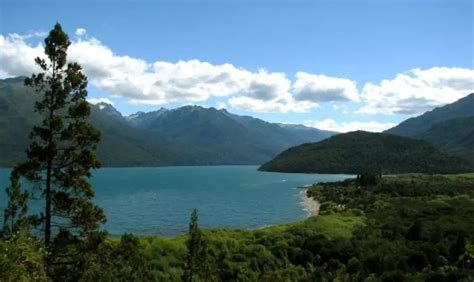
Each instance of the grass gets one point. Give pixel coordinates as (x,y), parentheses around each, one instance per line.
(338,224)
(462,175)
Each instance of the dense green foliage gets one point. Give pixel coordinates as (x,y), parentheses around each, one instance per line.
(415,223)
(360,151)
(454,135)
(22,258)
(184,136)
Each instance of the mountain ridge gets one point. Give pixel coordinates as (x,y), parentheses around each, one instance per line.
(450,127)
(412,127)
(189,135)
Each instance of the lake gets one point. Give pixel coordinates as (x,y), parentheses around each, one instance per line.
(149,201)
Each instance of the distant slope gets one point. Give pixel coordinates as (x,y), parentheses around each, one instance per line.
(121,144)
(415,126)
(16,107)
(449,127)
(219,137)
(188,135)
(124,145)
(354,152)
(454,135)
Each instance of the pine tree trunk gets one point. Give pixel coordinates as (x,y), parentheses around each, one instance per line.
(47,227)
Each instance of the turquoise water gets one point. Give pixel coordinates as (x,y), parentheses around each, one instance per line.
(160,200)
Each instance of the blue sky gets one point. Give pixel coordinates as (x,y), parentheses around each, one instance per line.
(418,47)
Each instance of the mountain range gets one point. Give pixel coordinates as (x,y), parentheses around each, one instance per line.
(189,135)
(194,135)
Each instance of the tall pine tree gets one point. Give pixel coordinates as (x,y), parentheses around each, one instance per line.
(61,155)
(196,267)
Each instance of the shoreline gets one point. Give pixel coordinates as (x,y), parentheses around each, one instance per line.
(309,204)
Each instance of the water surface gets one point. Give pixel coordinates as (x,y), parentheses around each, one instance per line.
(149,201)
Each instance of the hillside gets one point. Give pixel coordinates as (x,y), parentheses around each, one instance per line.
(454,136)
(358,151)
(121,144)
(189,135)
(418,125)
(450,128)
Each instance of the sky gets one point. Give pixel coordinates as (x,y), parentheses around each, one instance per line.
(335,65)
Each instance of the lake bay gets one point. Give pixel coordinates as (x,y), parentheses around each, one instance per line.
(159,200)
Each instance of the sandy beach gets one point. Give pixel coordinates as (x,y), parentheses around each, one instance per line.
(309,204)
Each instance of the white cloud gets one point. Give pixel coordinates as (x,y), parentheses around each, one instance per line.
(192,81)
(269,92)
(95,101)
(28,35)
(17,57)
(80,31)
(162,82)
(221,105)
(278,105)
(417,91)
(332,125)
(321,88)
(266,86)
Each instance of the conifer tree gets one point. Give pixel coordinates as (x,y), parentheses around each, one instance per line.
(15,213)
(196,267)
(61,154)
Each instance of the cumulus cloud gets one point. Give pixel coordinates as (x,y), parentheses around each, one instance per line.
(17,57)
(266,86)
(280,105)
(162,82)
(191,81)
(417,91)
(322,88)
(95,101)
(332,125)
(221,105)
(80,31)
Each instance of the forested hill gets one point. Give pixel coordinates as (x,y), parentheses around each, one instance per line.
(454,135)
(188,135)
(358,151)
